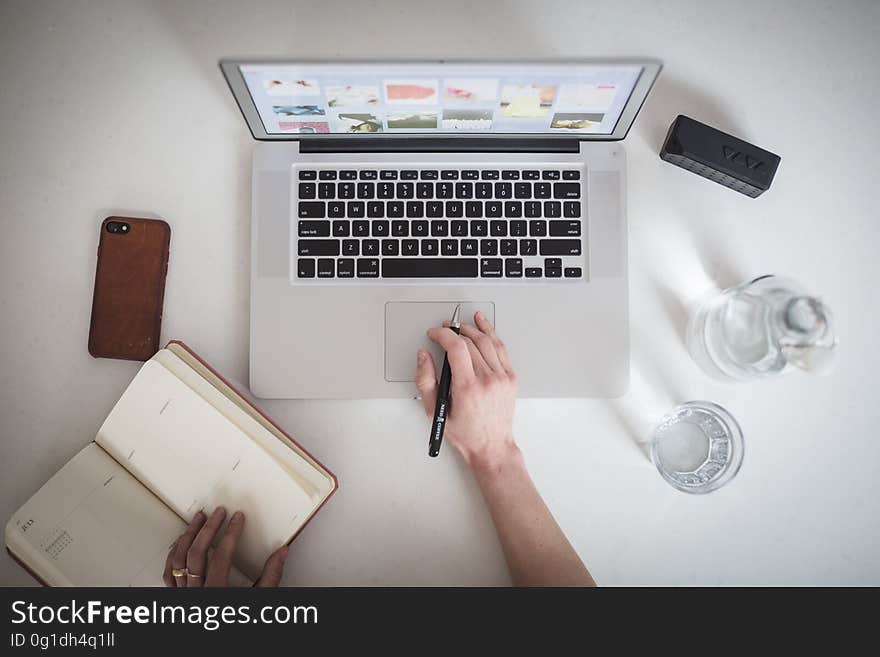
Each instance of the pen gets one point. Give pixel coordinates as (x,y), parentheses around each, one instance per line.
(441,410)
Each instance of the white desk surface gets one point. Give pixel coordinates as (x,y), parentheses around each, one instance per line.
(111,107)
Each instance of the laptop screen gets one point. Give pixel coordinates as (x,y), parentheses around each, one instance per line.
(297,99)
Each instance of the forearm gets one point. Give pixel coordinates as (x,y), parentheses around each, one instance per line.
(537,552)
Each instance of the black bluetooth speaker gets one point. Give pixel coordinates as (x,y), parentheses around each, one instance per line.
(718,156)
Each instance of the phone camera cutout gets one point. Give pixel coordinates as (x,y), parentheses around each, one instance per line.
(118,227)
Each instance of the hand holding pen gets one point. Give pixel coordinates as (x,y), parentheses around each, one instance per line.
(482,391)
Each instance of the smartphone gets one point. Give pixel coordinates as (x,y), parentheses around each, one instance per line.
(129,288)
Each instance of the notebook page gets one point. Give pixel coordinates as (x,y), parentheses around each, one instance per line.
(192,457)
(93,524)
(313,481)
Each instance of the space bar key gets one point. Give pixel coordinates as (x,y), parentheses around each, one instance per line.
(429,267)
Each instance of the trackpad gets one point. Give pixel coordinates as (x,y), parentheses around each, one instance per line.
(406,324)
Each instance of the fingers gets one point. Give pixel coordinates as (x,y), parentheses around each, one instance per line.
(486,327)
(178,554)
(426,380)
(166,574)
(456,351)
(197,555)
(274,568)
(485,345)
(221,560)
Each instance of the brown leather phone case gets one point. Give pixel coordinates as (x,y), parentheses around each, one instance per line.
(129,288)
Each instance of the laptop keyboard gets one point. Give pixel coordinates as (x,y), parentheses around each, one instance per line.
(439,223)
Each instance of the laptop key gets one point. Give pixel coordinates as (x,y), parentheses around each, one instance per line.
(513,267)
(419,228)
(553,263)
(510,175)
(565,228)
(313,228)
(513,209)
(444,190)
(390,247)
(409,175)
(366,190)
(498,228)
(483,190)
(305,268)
(348,175)
(490,174)
(449,247)
(469,247)
(470,174)
(493,209)
(351,247)
(533,272)
(344,189)
(434,209)
(326,267)
(518,228)
(400,228)
(356,209)
(560,247)
(307,190)
(479,228)
(345,268)
(552,209)
(429,267)
(454,209)
(522,190)
(430,174)
(449,175)
(571,209)
(503,190)
(425,189)
(369,174)
(308,175)
(360,228)
(415,209)
(385,190)
(542,190)
(430,247)
(508,247)
(336,209)
(341,228)
(370,247)
(459,228)
(368,268)
(464,190)
(531,175)
(573,272)
(571,174)
(473,209)
(326,190)
(566,190)
(489,247)
(318,247)
(394,209)
(405,190)
(439,228)
(388,175)
(327,175)
(538,228)
(381,228)
(491,268)
(409,247)
(528,247)
(550,175)
(553,272)
(375,209)
(532,209)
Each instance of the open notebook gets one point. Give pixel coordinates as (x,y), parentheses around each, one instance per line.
(180,439)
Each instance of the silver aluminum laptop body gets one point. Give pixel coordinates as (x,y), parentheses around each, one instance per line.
(358,338)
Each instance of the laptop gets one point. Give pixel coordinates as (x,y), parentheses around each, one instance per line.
(385,193)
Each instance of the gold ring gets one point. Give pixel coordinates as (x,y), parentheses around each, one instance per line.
(179,572)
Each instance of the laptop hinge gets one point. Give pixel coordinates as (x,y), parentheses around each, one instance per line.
(439,145)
